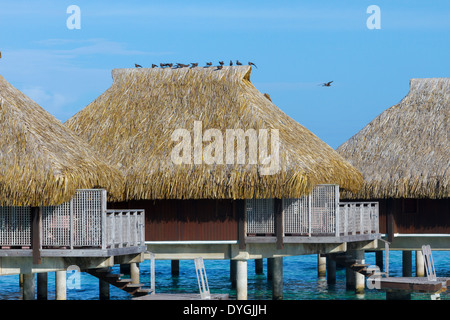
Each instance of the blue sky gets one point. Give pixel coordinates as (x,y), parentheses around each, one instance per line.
(296,45)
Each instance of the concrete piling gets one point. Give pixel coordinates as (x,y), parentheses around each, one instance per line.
(407,263)
(28,286)
(134,273)
(42,286)
(379,259)
(233,271)
(175,268)
(277,279)
(61,285)
(269,268)
(420,264)
(322,265)
(330,270)
(259,266)
(241,279)
(355,280)
(360,279)
(103,290)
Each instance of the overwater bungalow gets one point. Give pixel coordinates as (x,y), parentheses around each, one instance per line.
(404,157)
(222,172)
(53,199)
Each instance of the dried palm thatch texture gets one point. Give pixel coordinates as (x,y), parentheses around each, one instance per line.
(405,151)
(132,122)
(41,161)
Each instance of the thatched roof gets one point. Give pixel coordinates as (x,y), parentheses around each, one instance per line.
(41,161)
(132,122)
(405,151)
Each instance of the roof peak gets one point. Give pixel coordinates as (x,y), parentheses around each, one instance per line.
(213,72)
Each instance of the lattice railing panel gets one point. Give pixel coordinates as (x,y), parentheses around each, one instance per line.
(313,214)
(324,202)
(260,216)
(296,216)
(88,208)
(56,222)
(15,226)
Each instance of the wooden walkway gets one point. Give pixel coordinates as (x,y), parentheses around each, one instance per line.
(180,296)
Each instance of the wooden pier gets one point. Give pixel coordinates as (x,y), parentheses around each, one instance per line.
(181,296)
(414,284)
(400,288)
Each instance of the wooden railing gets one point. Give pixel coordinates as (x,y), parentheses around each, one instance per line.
(125,228)
(358,218)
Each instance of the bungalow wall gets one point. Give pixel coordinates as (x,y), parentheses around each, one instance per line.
(186,220)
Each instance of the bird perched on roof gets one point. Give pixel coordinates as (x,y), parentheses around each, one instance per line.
(327,84)
(181,65)
(252,64)
(221,63)
(238,63)
(137,65)
(154,65)
(209,64)
(231,63)
(219,67)
(193,65)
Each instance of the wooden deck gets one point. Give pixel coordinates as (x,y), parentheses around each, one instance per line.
(414,284)
(180,296)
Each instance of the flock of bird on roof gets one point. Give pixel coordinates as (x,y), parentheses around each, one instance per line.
(209,64)
(193,65)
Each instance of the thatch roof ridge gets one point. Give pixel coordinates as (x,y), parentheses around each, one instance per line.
(42,162)
(131,124)
(404,152)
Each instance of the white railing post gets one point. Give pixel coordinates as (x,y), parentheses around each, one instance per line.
(337,210)
(309,215)
(377,218)
(71,224)
(345,219)
(103,219)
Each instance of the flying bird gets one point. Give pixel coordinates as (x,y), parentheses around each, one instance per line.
(327,84)
(238,63)
(252,64)
(137,65)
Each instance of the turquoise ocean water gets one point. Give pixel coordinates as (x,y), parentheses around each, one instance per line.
(300,280)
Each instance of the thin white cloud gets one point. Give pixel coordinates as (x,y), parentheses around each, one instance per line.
(94,46)
(52,100)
